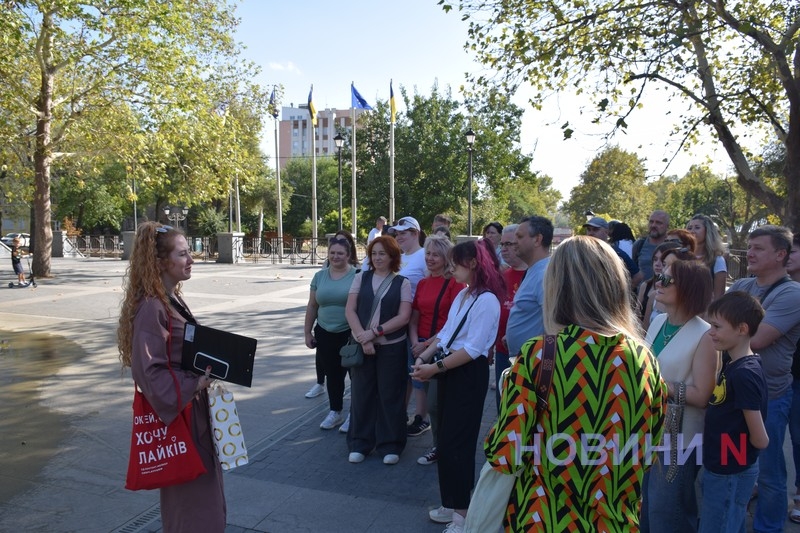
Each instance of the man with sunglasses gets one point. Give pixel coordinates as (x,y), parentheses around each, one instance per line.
(768,250)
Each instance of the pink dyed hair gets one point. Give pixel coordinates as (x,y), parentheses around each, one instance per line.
(485,276)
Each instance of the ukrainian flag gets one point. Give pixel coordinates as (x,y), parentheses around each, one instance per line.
(311,109)
(391,102)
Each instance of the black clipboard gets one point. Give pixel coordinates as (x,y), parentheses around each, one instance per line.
(230,356)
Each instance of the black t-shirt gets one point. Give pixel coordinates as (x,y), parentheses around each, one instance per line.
(726,443)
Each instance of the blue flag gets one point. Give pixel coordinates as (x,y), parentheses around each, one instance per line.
(357,100)
(272,104)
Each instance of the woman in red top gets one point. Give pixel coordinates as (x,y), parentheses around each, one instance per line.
(435,293)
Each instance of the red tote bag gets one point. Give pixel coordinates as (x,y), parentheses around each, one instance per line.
(161,455)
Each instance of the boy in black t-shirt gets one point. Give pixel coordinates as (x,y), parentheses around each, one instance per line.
(734,429)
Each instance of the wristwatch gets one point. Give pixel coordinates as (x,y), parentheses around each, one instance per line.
(440,365)
(379,329)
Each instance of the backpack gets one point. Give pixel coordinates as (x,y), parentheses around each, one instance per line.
(637,249)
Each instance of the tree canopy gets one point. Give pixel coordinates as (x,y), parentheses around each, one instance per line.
(730,66)
(142,80)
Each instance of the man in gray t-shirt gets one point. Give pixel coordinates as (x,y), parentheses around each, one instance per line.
(643,248)
(775,340)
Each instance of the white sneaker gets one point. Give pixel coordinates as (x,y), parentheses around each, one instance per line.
(315,391)
(346,426)
(333,419)
(356,457)
(457,525)
(442,515)
(391,459)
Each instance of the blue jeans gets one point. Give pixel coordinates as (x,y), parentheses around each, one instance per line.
(725,500)
(770,514)
(501,362)
(667,506)
(794,430)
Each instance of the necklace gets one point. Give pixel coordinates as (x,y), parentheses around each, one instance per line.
(666,335)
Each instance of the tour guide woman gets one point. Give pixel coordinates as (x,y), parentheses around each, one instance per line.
(378,386)
(160,261)
(463,374)
(605,387)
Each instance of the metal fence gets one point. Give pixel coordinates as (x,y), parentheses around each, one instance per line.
(297,250)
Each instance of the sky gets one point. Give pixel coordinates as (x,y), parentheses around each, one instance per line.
(416,44)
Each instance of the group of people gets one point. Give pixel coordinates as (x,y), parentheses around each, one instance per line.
(651,351)
(641,374)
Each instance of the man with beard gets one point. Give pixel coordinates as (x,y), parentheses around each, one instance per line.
(643,248)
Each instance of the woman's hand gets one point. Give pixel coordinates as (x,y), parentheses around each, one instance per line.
(418,347)
(368,347)
(311,342)
(366,335)
(423,371)
(204,381)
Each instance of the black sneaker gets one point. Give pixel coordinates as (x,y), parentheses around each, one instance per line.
(417,427)
(429,458)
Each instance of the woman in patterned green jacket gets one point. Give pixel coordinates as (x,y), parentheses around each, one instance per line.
(580,467)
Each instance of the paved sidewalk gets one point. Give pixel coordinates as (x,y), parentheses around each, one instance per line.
(65,414)
(72,413)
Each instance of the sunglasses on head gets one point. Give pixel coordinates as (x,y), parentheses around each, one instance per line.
(334,240)
(665,280)
(163,229)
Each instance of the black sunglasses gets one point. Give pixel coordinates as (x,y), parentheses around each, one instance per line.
(665,280)
(334,240)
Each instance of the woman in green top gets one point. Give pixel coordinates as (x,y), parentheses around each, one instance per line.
(326,303)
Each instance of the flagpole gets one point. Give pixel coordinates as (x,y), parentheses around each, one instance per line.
(353,184)
(280,201)
(391,172)
(313,195)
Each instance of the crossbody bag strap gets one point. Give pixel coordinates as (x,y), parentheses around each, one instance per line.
(774,286)
(545,378)
(381,292)
(461,324)
(435,322)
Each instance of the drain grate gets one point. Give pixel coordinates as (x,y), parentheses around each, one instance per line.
(138,522)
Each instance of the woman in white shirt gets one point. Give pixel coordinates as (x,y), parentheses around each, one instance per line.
(463,373)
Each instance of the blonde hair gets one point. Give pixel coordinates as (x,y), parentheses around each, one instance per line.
(713,246)
(152,245)
(441,245)
(604,305)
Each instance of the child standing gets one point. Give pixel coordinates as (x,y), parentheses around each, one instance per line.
(16,261)
(734,429)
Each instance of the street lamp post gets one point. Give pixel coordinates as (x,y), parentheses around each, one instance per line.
(470,135)
(176,214)
(339,141)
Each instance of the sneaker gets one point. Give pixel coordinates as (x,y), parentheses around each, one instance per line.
(356,457)
(333,419)
(315,391)
(346,426)
(429,458)
(457,525)
(442,515)
(391,459)
(417,427)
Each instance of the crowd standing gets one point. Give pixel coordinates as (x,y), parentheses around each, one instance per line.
(649,345)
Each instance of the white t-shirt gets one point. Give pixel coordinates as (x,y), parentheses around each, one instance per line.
(375,232)
(413,267)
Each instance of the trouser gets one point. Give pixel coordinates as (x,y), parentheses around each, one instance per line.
(770,513)
(328,345)
(462,392)
(377,401)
